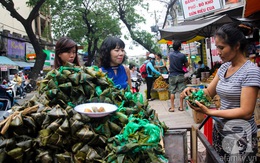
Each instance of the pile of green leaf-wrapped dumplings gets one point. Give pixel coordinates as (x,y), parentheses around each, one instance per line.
(48,129)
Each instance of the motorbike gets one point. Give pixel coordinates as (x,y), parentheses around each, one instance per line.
(27,86)
(16,90)
(6,99)
(136,83)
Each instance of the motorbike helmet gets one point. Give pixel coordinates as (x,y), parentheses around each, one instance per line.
(151,55)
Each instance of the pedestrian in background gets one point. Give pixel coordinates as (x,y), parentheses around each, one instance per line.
(160,64)
(237,83)
(151,72)
(66,50)
(176,73)
(112,57)
(133,72)
(18,81)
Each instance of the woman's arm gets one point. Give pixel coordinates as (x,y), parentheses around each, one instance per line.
(152,68)
(127,70)
(211,89)
(164,63)
(246,109)
(247,105)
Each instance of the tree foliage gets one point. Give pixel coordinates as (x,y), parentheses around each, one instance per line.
(87,22)
(126,11)
(95,20)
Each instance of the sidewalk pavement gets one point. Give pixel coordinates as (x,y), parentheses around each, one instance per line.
(176,119)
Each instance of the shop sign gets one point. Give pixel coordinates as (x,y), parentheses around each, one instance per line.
(189,48)
(29,48)
(214,52)
(194,8)
(30,57)
(16,49)
(50,57)
(3,68)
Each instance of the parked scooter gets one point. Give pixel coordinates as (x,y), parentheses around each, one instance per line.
(136,83)
(6,99)
(27,86)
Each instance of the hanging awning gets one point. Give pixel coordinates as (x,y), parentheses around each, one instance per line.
(7,63)
(169,42)
(205,27)
(24,64)
(251,7)
(163,41)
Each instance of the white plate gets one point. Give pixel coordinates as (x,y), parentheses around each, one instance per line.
(165,76)
(109,108)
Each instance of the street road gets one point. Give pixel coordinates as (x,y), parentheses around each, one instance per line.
(28,97)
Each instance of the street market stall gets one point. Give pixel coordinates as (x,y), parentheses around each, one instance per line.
(47,128)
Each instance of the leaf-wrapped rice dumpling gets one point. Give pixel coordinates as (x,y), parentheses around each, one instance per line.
(74,78)
(16,154)
(199,96)
(44,136)
(64,157)
(66,87)
(64,128)
(75,125)
(55,124)
(84,134)
(44,156)
(8,144)
(17,120)
(57,112)
(38,118)
(52,85)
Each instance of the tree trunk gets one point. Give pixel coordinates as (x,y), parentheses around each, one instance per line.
(40,55)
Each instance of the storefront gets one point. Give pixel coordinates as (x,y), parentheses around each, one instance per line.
(8,67)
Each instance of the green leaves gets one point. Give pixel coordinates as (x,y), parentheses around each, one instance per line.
(199,96)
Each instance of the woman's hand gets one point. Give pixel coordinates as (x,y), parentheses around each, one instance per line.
(187,91)
(200,108)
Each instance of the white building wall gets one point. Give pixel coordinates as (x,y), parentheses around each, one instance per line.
(7,22)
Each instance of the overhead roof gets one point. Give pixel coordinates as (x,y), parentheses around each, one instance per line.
(204,27)
(6,61)
(24,64)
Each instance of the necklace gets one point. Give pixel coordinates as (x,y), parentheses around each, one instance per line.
(114,67)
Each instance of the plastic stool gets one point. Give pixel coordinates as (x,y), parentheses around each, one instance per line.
(208,128)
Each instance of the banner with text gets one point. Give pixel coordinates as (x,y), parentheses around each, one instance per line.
(198,8)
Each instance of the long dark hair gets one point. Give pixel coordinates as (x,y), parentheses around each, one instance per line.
(234,33)
(64,44)
(107,45)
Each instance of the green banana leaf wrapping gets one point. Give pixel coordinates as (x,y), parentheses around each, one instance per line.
(55,131)
(199,96)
